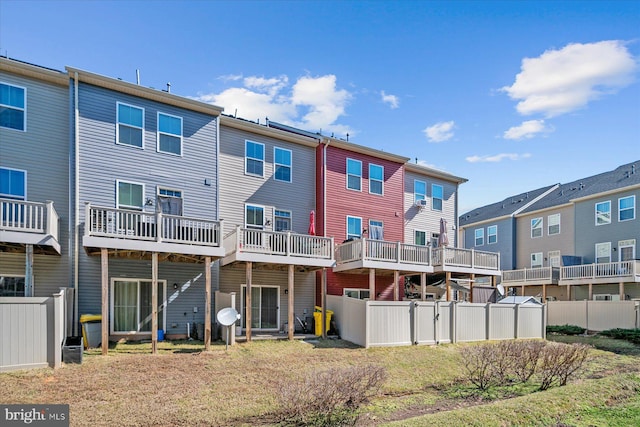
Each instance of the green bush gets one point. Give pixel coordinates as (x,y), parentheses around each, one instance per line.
(566,330)
(631,335)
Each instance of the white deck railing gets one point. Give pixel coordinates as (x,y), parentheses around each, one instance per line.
(470,258)
(283,243)
(551,274)
(158,227)
(29,217)
(381,250)
(621,269)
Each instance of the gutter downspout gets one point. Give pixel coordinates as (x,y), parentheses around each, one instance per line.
(218,175)
(76,227)
(323,291)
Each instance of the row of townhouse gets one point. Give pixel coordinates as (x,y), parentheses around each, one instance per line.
(572,241)
(146,203)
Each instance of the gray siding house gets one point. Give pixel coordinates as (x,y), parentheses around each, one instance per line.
(267,200)
(34,200)
(146,183)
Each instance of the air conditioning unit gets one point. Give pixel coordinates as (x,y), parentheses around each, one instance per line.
(421,203)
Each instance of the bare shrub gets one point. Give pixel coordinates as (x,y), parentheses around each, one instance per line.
(559,361)
(480,365)
(330,397)
(525,356)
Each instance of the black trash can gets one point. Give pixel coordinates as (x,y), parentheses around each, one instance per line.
(72,350)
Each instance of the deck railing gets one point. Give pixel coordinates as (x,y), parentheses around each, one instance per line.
(381,250)
(457,257)
(523,275)
(601,270)
(158,227)
(283,243)
(29,217)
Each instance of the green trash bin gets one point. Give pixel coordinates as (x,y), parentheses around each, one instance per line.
(317,320)
(91,330)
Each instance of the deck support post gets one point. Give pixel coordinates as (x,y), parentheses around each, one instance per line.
(290,317)
(590,297)
(621,291)
(154,302)
(247,300)
(423,286)
(372,284)
(104,262)
(323,317)
(472,279)
(448,283)
(207,303)
(544,293)
(28,271)
(396,286)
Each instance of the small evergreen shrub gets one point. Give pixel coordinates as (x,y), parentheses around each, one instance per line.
(631,335)
(566,330)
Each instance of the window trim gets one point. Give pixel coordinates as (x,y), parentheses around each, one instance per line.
(118,103)
(434,198)
(489,234)
(596,212)
(264,218)
(246,158)
(536,254)
(359,189)
(415,231)
(359,236)
(159,132)
(549,224)
(276,216)
(276,164)
(129,207)
(358,290)
(541,227)
(633,208)
(9,196)
(381,181)
(18,276)
(162,305)
(416,194)
(595,254)
(23,109)
(475,237)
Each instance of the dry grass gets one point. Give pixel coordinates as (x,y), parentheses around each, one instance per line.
(182,386)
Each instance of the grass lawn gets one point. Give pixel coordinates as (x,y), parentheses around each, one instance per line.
(185,386)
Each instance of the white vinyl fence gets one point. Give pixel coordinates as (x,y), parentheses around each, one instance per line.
(33,329)
(595,315)
(396,323)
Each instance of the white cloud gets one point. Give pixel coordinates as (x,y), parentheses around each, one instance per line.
(440,131)
(392,100)
(497,158)
(312,103)
(526,130)
(561,81)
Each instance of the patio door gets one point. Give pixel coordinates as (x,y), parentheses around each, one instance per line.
(627,250)
(131,305)
(265,307)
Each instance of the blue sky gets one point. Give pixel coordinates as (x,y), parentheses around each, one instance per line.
(512,95)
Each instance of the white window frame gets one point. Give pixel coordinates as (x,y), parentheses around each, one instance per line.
(118,124)
(632,208)
(243,290)
(255,159)
(354,236)
(118,205)
(172,190)
(277,165)
(601,214)
(555,258)
(534,260)
(264,219)
(631,243)
(375,222)
(602,245)
(162,305)
(359,291)
(13,197)
(435,238)
(415,240)
(494,234)
(373,180)
(359,189)
(416,195)
(550,223)
(17,276)
(159,133)
(540,227)
(276,216)
(434,206)
(476,237)
(12,107)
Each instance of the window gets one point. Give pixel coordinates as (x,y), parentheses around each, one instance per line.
(13,184)
(170,201)
(254,158)
(254,216)
(12,286)
(130,195)
(169,134)
(420,238)
(627,250)
(536,227)
(603,252)
(437,194)
(435,238)
(356,293)
(627,208)
(419,191)
(492,234)
(603,213)
(354,227)
(479,236)
(354,174)
(376,179)
(282,164)
(536,260)
(130,129)
(13,107)
(554,258)
(282,220)
(553,224)
(131,305)
(376,230)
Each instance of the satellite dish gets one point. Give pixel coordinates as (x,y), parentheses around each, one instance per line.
(227,316)
(500,290)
